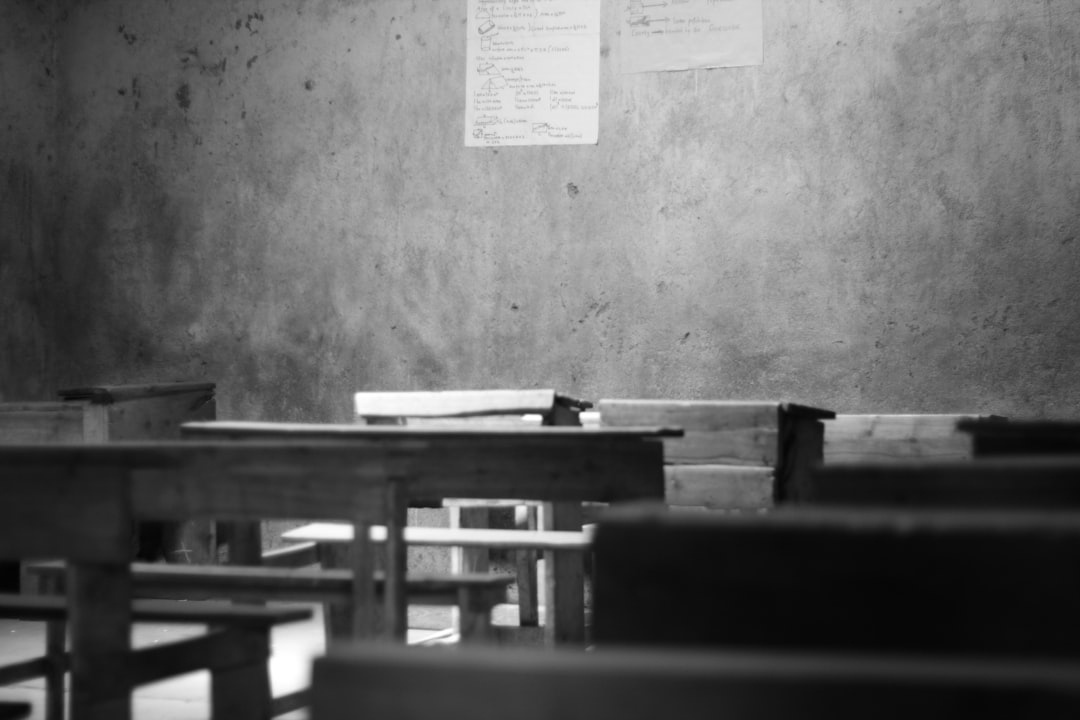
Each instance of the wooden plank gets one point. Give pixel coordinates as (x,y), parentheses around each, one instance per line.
(481,683)
(159,417)
(245,583)
(106,394)
(990,584)
(997,436)
(719,487)
(448,537)
(33,423)
(1014,483)
(460,403)
(884,438)
(715,432)
(466,431)
(53,607)
(100,631)
(564,579)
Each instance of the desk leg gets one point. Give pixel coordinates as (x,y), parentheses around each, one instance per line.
(564,581)
(99,598)
(468,560)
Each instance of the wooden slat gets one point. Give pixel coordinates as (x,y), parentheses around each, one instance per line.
(159,417)
(451,403)
(719,487)
(883,438)
(216,649)
(245,583)
(1013,483)
(448,537)
(33,423)
(1003,584)
(464,431)
(106,394)
(997,436)
(715,432)
(480,684)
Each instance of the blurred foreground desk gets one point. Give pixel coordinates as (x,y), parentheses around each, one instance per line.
(559,466)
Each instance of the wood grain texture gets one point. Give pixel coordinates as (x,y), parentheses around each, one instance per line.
(719,487)
(992,584)
(448,537)
(884,438)
(715,432)
(451,403)
(481,684)
(32,423)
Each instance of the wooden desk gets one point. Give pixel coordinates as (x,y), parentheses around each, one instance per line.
(998,436)
(105,486)
(562,466)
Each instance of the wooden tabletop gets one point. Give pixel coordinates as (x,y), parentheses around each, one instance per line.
(313,431)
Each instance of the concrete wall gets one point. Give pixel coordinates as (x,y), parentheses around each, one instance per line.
(28,160)
(275,195)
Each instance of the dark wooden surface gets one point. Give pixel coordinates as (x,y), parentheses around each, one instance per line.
(992,584)
(1016,483)
(992,437)
(612,685)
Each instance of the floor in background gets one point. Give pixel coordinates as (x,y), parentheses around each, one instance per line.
(185,697)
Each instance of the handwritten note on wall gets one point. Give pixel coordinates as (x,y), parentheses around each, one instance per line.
(533,73)
(689,34)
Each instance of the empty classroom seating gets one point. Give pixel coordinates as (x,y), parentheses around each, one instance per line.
(487,407)
(404,684)
(733,455)
(559,465)
(77,503)
(123,412)
(948,584)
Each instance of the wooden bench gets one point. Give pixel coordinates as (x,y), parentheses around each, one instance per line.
(492,408)
(245,481)
(882,438)
(123,412)
(949,584)
(58,502)
(998,436)
(366,682)
(733,455)
(1049,483)
(563,466)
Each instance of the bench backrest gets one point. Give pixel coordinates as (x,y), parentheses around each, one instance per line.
(991,584)
(733,455)
(1005,483)
(882,438)
(98,414)
(492,684)
(998,436)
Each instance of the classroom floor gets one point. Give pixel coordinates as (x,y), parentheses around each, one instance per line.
(185,697)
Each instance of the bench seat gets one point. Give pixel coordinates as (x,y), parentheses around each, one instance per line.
(475,594)
(451,537)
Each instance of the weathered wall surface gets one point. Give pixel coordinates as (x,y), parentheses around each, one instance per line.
(275,195)
(27,162)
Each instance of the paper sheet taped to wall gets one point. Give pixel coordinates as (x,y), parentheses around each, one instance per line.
(690,34)
(532,73)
